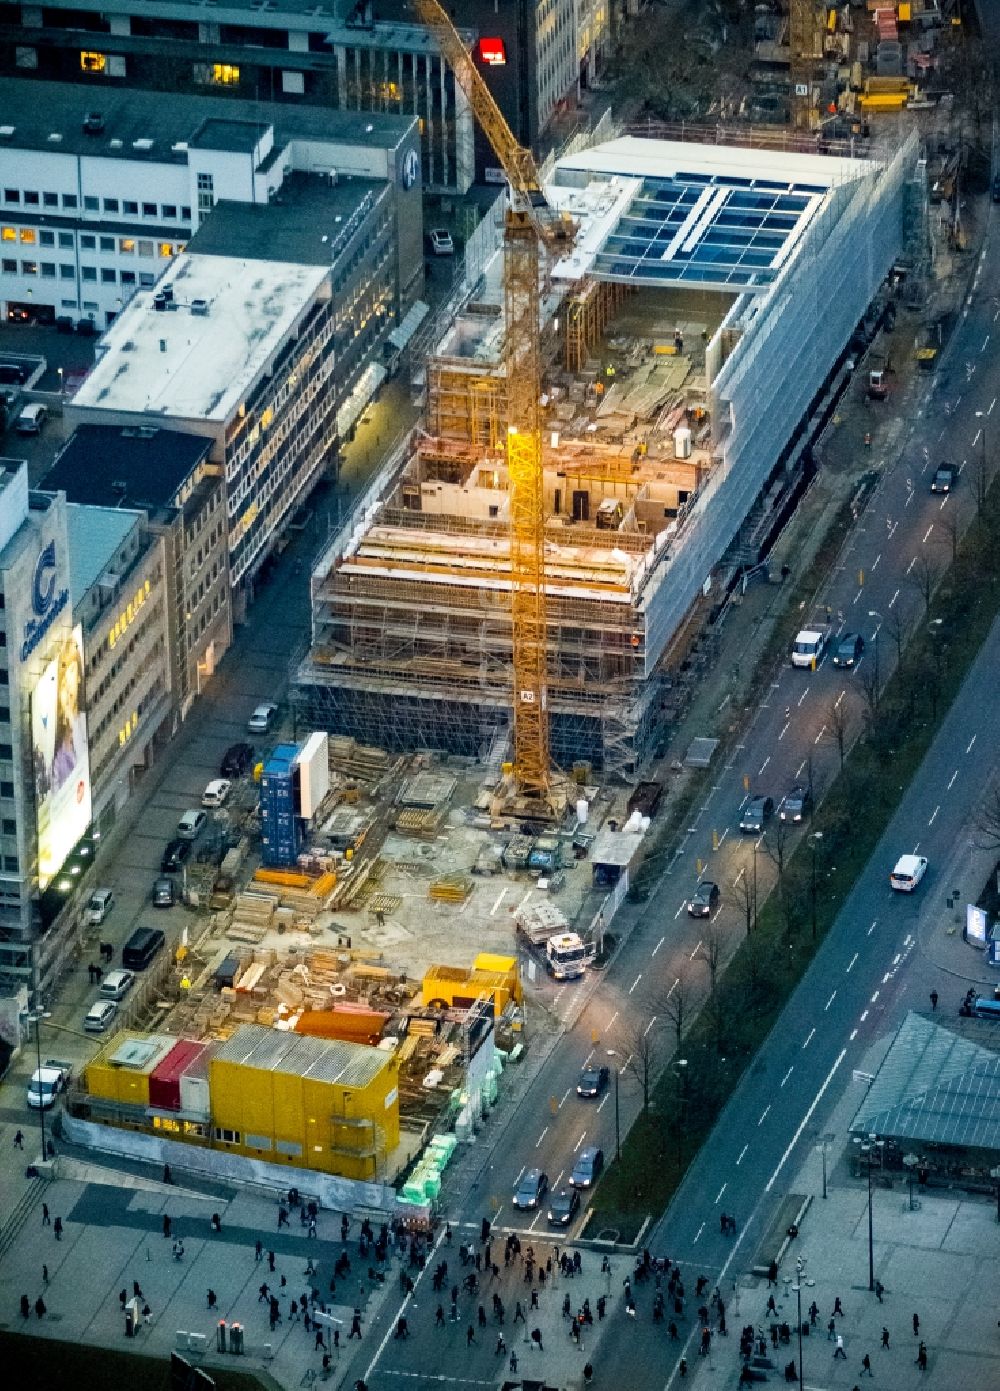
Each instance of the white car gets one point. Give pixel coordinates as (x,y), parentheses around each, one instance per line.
(99,1016)
(441,242)
(190,824)
(216,792)
(909,871)
(101,903)
(808,648)
(262,718)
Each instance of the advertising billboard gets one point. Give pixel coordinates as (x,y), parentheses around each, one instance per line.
(60,756)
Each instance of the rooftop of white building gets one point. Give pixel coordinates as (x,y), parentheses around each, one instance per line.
(702,216)
(198,359)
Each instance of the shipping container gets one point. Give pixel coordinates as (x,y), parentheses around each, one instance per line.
(165,1079)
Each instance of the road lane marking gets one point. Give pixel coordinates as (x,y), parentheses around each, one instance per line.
(977,437)
(856,598)
(934,815)
(698,1232)
(864,1016)
(612,1019)
(818,737)
(659,943)
(944,502)
(764,764)
(500,898)
(809,1039)
(720,1192)
(854,1034)
(829,1002)
(803,696)
(785,730)
(696,951)
(850,966)
(649,1026)
(763,1114)
(798,771)
(872,928)
(635,982)
(951,784)
(875,997)
(565,1096)
(927,534)
(603,1103)
(742,1153)
(787,1075)
(680,910)
(971,742)
(579,1142)
(541,1137)
(836,703)
(877,559)
(673,987)
(520,1175)
(805,1121)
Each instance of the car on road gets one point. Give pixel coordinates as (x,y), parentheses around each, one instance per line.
(262,717)
(100,905)
(588,1166)
(944,478)
(531,1189)
(47,1082)
(174,856)
(797,805)
(442,243)
(164,891)
(593,1081)
(237,760)
(908,872)
(99,1016)
(216,792)
(116,985)
(704,900)
(191,823)
(756,814)
(849,650)
(563,1207)
(808,647)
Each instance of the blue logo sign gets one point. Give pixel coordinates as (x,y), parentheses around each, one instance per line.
(411,168)
(43,586)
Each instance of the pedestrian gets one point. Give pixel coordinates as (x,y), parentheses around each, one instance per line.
(484,1231)
(123,1298)
(25,1307)
(270,1261)
(57,1229)
(771,1308)
(501,1348)
(439,1317)
(263,1294)
(879,1290)
(136,1289)
(534,1299)
(513,1361)
(772,1273)
(536,1339)
(470,1336)
(682,1367)
(216,1222)
(45,1276)
(18,1140)
(147,1315)
(813,1313)
(839,1349)
(838,1308)
(916,1325)
(519,1313)
(866,1365)
(166,1224)
(306,1321)
(258,1250)
(885,1336)
(831,1330)
(921,1355)
(319,1345)
(46,1220)
(282,1217)
(168,1177)
(312,1227)
(355,1327)
(213,1299)
(40,1309)
(934,999)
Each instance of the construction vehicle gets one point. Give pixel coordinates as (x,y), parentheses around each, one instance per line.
(544,932)
(530,225)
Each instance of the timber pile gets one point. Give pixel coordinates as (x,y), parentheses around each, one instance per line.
(452,888)
(413,821)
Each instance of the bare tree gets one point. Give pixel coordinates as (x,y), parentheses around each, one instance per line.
(639,1045)
(710,951)
(677,1006)
(923,576)
(950,523)
(745,898)
(896,629)
(838,722)
(988,821)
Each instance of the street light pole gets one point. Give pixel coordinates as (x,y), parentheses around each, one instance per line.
(755,886)
(872,613)
(618,1133)
(871,1233)
(41,1095)
(797,1287)
(814,841)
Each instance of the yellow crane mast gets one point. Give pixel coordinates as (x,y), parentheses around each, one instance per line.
(530,224)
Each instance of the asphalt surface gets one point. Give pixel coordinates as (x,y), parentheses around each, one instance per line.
(904,534)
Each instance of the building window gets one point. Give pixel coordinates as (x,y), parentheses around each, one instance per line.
(6,751)
(108,276)
(9,827)
(66,240)
(66,272)
(88,272)
(91,204)
(8,234)
(149,209)
(131,209)
(185,214)
(127,246)
(227,1137)
(46,238)
(111,205)
(166,250)
(146,278)
(145,248)
(107,243)
(31,198)
(69,200)
(87,242)
(50,200)
(6,789)
(48,270)
(128,277)
(169,211)
(28,235)
(29,267)
(9,266)
(217,74)
(92,62)
(11,195)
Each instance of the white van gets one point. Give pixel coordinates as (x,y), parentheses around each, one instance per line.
(31,420)
(909,871)
(808,648)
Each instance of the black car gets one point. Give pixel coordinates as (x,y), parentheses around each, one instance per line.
(563,1207)
(705,900)
(236,761)
(593,1081)
(797,805)
(532,1189)
(756,814)
(177,853)
(164,892)
(849,650)
(945,478)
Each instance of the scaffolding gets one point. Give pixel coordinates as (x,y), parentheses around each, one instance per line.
(589,309)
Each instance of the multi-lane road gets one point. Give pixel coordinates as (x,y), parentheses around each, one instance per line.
(904,532)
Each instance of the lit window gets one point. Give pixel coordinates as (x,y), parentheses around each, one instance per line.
(127,246)
(9,234)
(225,75)
(166,249)
(92,62)
(29,236)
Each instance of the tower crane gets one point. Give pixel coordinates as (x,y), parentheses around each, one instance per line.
(531,226)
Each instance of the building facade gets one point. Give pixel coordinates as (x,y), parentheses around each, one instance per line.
(118,579)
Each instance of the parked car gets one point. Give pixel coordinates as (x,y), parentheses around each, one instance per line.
(908,872)
(756,814)
(944,478)
(849,650)
(532,1189)
(101,903)
(164,890)
(704,900)
(442,243)
(797,805)
(563,1207)
(31,419)
(588,1166)
(174,856)
(99,1016)
(116,985)
(593,1081)
(216,792)
(191,823)
(262,717)
(236,761)
(47,1082)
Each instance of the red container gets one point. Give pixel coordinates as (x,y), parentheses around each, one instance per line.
(165,1079)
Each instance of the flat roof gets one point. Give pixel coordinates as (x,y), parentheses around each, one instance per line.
(199,366)
(35,111)
(299,1055)
(673,213)
(93,535)
(108,466)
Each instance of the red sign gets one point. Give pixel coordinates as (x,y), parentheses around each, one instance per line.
(492,52)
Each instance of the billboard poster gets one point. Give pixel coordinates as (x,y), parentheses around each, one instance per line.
(60,756)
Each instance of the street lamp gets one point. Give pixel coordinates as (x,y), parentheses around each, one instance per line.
(755,845)
(618,1131)
(680,1073)
(797,1287)
(873,613)
(814,841)
(872,1145)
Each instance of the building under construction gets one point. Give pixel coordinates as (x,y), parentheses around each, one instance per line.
(693,335)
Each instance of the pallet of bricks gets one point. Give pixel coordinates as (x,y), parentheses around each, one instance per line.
(253,916)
